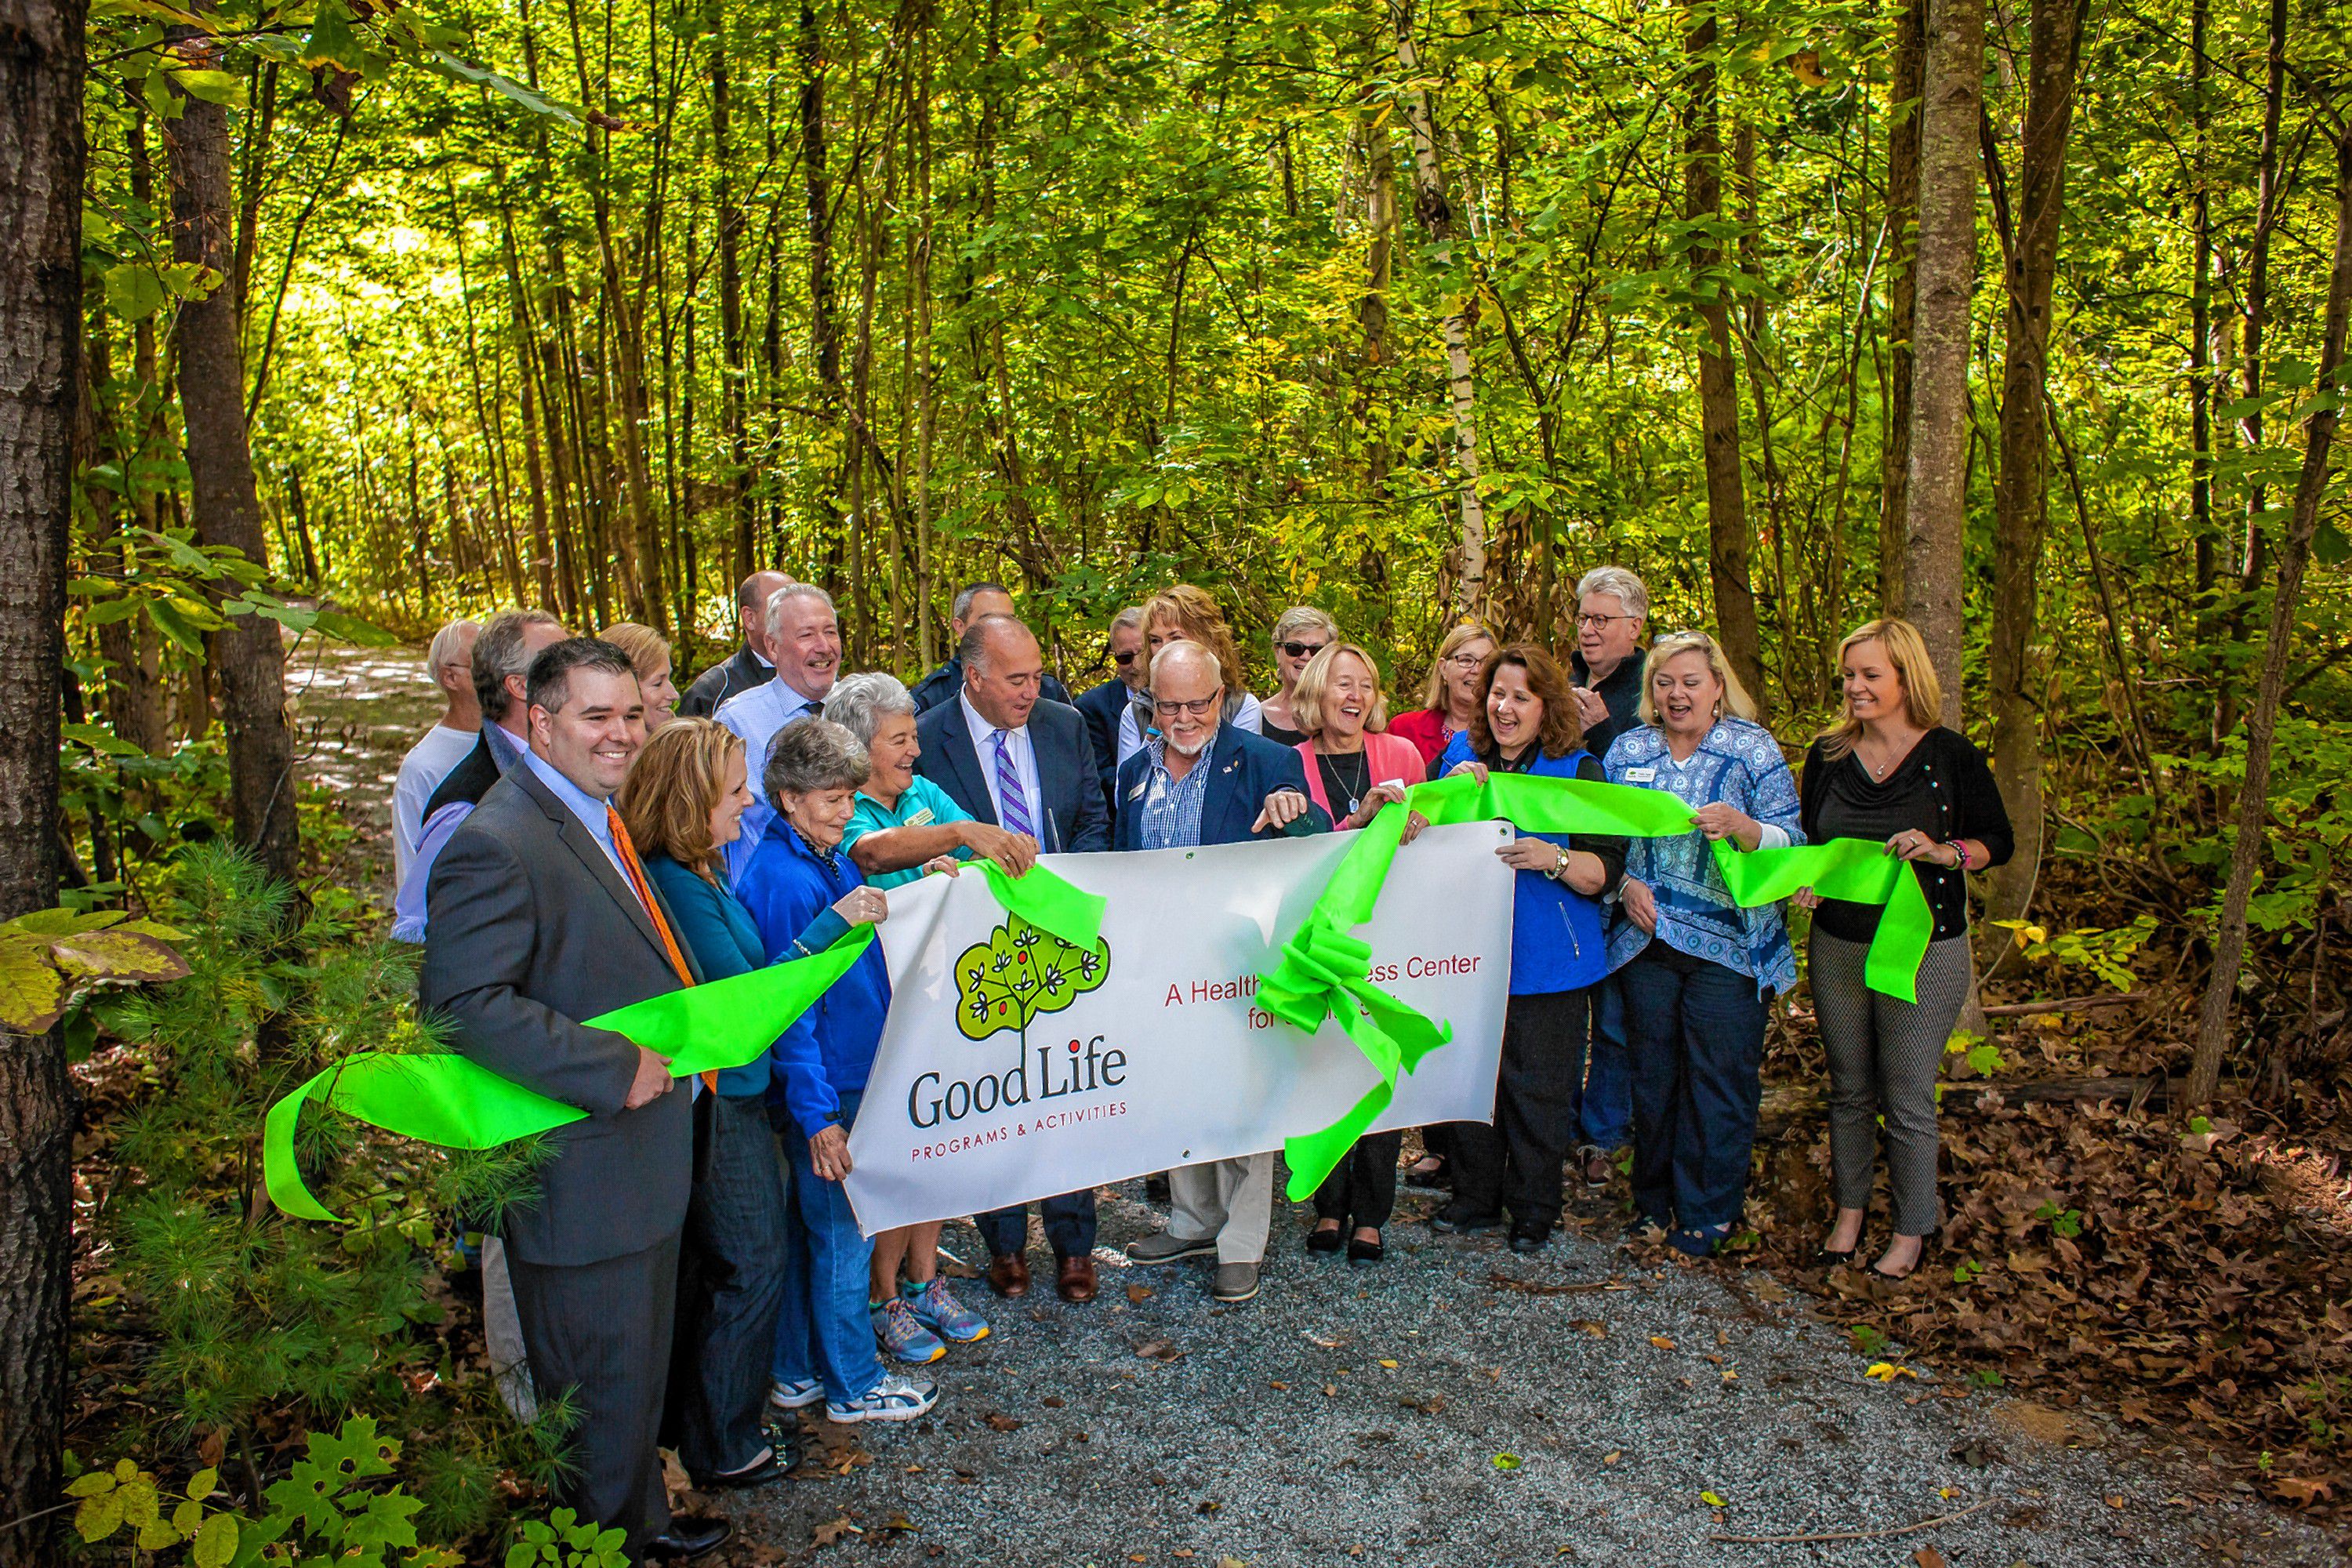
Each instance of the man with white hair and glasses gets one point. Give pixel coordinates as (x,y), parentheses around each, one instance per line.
(1613,610)
(450,662)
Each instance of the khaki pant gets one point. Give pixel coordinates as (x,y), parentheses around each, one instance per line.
(1231,1200)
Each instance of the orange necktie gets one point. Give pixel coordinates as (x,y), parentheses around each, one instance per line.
(636,873)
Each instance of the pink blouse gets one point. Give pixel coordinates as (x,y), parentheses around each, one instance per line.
(1394,759)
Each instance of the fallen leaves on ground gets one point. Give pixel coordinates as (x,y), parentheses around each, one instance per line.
(1159,1350)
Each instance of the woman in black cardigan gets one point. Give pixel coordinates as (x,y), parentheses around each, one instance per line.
(1889,770)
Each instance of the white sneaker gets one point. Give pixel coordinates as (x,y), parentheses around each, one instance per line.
(795,1396)
(895,1398)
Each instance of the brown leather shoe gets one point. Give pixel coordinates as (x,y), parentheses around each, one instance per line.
(1008,1274)
(1075,1279)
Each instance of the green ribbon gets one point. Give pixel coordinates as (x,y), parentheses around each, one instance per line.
(1324,972)
(449,1099)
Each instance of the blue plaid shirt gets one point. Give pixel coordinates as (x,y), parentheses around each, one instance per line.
(1171,807)
(1739,763)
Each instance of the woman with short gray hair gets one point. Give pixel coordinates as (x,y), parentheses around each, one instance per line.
(824,1346)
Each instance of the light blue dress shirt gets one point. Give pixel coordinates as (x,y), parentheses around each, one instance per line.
(756,715)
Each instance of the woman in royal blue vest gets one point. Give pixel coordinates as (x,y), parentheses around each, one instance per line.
(1525,723)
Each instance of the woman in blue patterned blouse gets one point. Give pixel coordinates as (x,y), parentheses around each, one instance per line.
(1698,971)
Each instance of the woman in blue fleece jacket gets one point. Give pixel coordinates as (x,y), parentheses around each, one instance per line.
(803,892)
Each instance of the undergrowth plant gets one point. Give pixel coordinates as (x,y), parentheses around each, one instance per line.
(251,1329)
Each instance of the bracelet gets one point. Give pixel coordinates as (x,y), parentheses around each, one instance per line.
(1959,846)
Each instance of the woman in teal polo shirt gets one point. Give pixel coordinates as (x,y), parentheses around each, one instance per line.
(899,825)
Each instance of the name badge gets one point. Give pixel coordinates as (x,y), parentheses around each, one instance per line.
(1640,775)
(921,819)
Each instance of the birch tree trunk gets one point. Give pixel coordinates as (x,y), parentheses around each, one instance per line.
(2295,556)
(41,160)
(1435,211)
(2021,496)
(1936,510)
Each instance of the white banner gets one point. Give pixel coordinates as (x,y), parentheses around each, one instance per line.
(1015,1066)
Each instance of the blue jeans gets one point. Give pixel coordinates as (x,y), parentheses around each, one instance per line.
(735,1230)
(1069,1226)
(1608,1115)
(822,1328)
(1694,1031)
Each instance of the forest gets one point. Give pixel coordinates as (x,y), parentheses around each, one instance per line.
(325,322)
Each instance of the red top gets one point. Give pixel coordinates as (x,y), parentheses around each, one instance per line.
(1425,728)
(1394,759)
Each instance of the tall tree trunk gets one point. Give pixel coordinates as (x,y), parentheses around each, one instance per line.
(248,659)
(41,162)
(1936,514)
(1718,393)
(2020,493)
(738,487)
(1903,120)
(2251,564)
(2200,313)
(2254,799)
(825,325)
(1435,210)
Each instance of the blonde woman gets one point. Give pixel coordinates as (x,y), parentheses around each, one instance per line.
(1449,698)
(648,653)
(1889,770)
(1698,971)
(1353,769)
(1300,632)
(1186,613)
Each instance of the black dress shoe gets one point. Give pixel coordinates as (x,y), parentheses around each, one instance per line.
(689,1536)
(1321,1241)
(1527,1238)
(1454,1221)
(1362,1251)
(1829,1256)
(781,1456)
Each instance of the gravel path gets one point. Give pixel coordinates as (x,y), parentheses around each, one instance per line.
(1458,1405)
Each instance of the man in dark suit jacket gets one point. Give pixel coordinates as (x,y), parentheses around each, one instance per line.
(1017,761)
(1103,704)
(541,917)
(1202,781)
(750,665)
(973,602)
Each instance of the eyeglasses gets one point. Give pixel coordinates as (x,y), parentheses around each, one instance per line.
(1601,622)
(1200,708)
(1464,660)
(1124,660)
(1302,650)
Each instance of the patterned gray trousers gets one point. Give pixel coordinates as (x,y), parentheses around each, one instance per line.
(1883,1055)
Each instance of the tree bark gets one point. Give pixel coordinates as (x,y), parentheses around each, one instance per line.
(1936,510)
(2020,495)
(1902,292)
(1728,542)
(2254,799)
(248,659)
(738,487)
(42,155)
(1435,210)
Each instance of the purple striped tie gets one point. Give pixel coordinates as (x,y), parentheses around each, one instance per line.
(1011,805)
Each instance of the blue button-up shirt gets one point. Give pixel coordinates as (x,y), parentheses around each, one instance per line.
(592,813)
(1171,807)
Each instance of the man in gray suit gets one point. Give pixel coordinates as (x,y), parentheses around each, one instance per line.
(539,916)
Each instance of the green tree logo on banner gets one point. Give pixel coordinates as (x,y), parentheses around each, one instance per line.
(1019,972)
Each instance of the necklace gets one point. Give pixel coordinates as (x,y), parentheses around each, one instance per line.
(1878,771)
(1336,783)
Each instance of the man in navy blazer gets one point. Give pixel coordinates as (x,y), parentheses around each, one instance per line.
(1021,762)
(1202,781)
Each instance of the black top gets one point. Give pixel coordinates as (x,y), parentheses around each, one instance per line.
(1942,788)
(1278,735)
(1622,690)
